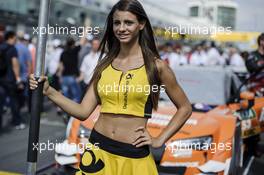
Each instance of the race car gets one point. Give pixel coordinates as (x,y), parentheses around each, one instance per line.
(210,142)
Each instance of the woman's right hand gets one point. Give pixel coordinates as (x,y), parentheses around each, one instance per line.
(33,84)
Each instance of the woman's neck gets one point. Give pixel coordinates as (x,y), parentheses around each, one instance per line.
(130,49)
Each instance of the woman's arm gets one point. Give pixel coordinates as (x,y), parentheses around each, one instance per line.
(178,97)
(80,111)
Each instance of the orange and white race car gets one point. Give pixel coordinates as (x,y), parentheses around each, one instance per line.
(210,142)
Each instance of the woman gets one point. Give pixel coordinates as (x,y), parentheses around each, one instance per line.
(120,141)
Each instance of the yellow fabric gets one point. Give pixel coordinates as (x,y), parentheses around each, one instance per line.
(125,93)
(115,164)
(8,173)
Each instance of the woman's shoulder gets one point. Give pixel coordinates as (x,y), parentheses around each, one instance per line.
(160,64)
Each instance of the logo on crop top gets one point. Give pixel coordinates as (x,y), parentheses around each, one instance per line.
(129,76)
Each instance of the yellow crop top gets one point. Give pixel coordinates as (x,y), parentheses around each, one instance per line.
(125,93)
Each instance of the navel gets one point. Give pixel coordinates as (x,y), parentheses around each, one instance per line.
(113,133)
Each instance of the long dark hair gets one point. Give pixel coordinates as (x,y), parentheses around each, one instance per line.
(110,45)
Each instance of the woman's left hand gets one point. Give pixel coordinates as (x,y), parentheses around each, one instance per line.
(145,139)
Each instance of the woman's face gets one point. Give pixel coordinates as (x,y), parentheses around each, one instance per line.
(126,27)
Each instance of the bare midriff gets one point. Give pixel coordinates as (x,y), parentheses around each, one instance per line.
(120,127)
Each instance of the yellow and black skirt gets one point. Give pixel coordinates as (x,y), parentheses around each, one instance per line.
(110,157)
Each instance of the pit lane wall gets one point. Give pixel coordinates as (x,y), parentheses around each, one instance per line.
(208,85)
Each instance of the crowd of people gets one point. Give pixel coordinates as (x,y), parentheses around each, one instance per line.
(203,54)
(70,66)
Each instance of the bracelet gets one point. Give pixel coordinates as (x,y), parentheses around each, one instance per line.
(50,80)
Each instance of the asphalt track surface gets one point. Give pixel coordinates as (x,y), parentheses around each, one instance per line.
(14,143)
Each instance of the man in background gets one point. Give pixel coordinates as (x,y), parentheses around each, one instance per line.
(258,55)
(234,58)
(68,70)
(213,55)
(198,57)
(25,61)
(10,80)
(85,48)
(255,64)
(88,65)
(52,62)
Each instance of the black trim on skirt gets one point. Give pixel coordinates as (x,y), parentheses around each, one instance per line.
(118,148)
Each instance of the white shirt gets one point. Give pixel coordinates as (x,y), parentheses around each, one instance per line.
(198,58)
(237,60)
(214,58)
(176,59)
(88,65)
(53,60)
